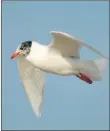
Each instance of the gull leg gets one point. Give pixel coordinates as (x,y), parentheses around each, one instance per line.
(84,78)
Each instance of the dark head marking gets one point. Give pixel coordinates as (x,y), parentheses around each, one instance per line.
(25,47)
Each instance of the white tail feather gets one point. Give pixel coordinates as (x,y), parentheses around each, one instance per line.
(92,68)
(101,65)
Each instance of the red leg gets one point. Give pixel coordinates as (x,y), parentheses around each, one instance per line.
(84,78)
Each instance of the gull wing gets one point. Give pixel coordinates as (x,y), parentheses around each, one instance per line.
(68,46)
(65,44)
(33,82)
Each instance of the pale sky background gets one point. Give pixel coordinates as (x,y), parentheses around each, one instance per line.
(69,103)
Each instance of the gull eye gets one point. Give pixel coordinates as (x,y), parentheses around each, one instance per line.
(21,48)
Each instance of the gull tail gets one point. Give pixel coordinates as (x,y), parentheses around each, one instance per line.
(101,65)
(91,70)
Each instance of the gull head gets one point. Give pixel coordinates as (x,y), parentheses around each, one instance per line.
(23,49)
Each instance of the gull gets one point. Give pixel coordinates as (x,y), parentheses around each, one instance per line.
(60,57)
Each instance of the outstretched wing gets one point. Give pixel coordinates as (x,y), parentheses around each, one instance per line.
(67,45)
(33,82)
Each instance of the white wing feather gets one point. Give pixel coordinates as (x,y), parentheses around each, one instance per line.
(68,45)
(33,82)
(65,44)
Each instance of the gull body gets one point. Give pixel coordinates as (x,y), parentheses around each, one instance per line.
(50,61)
